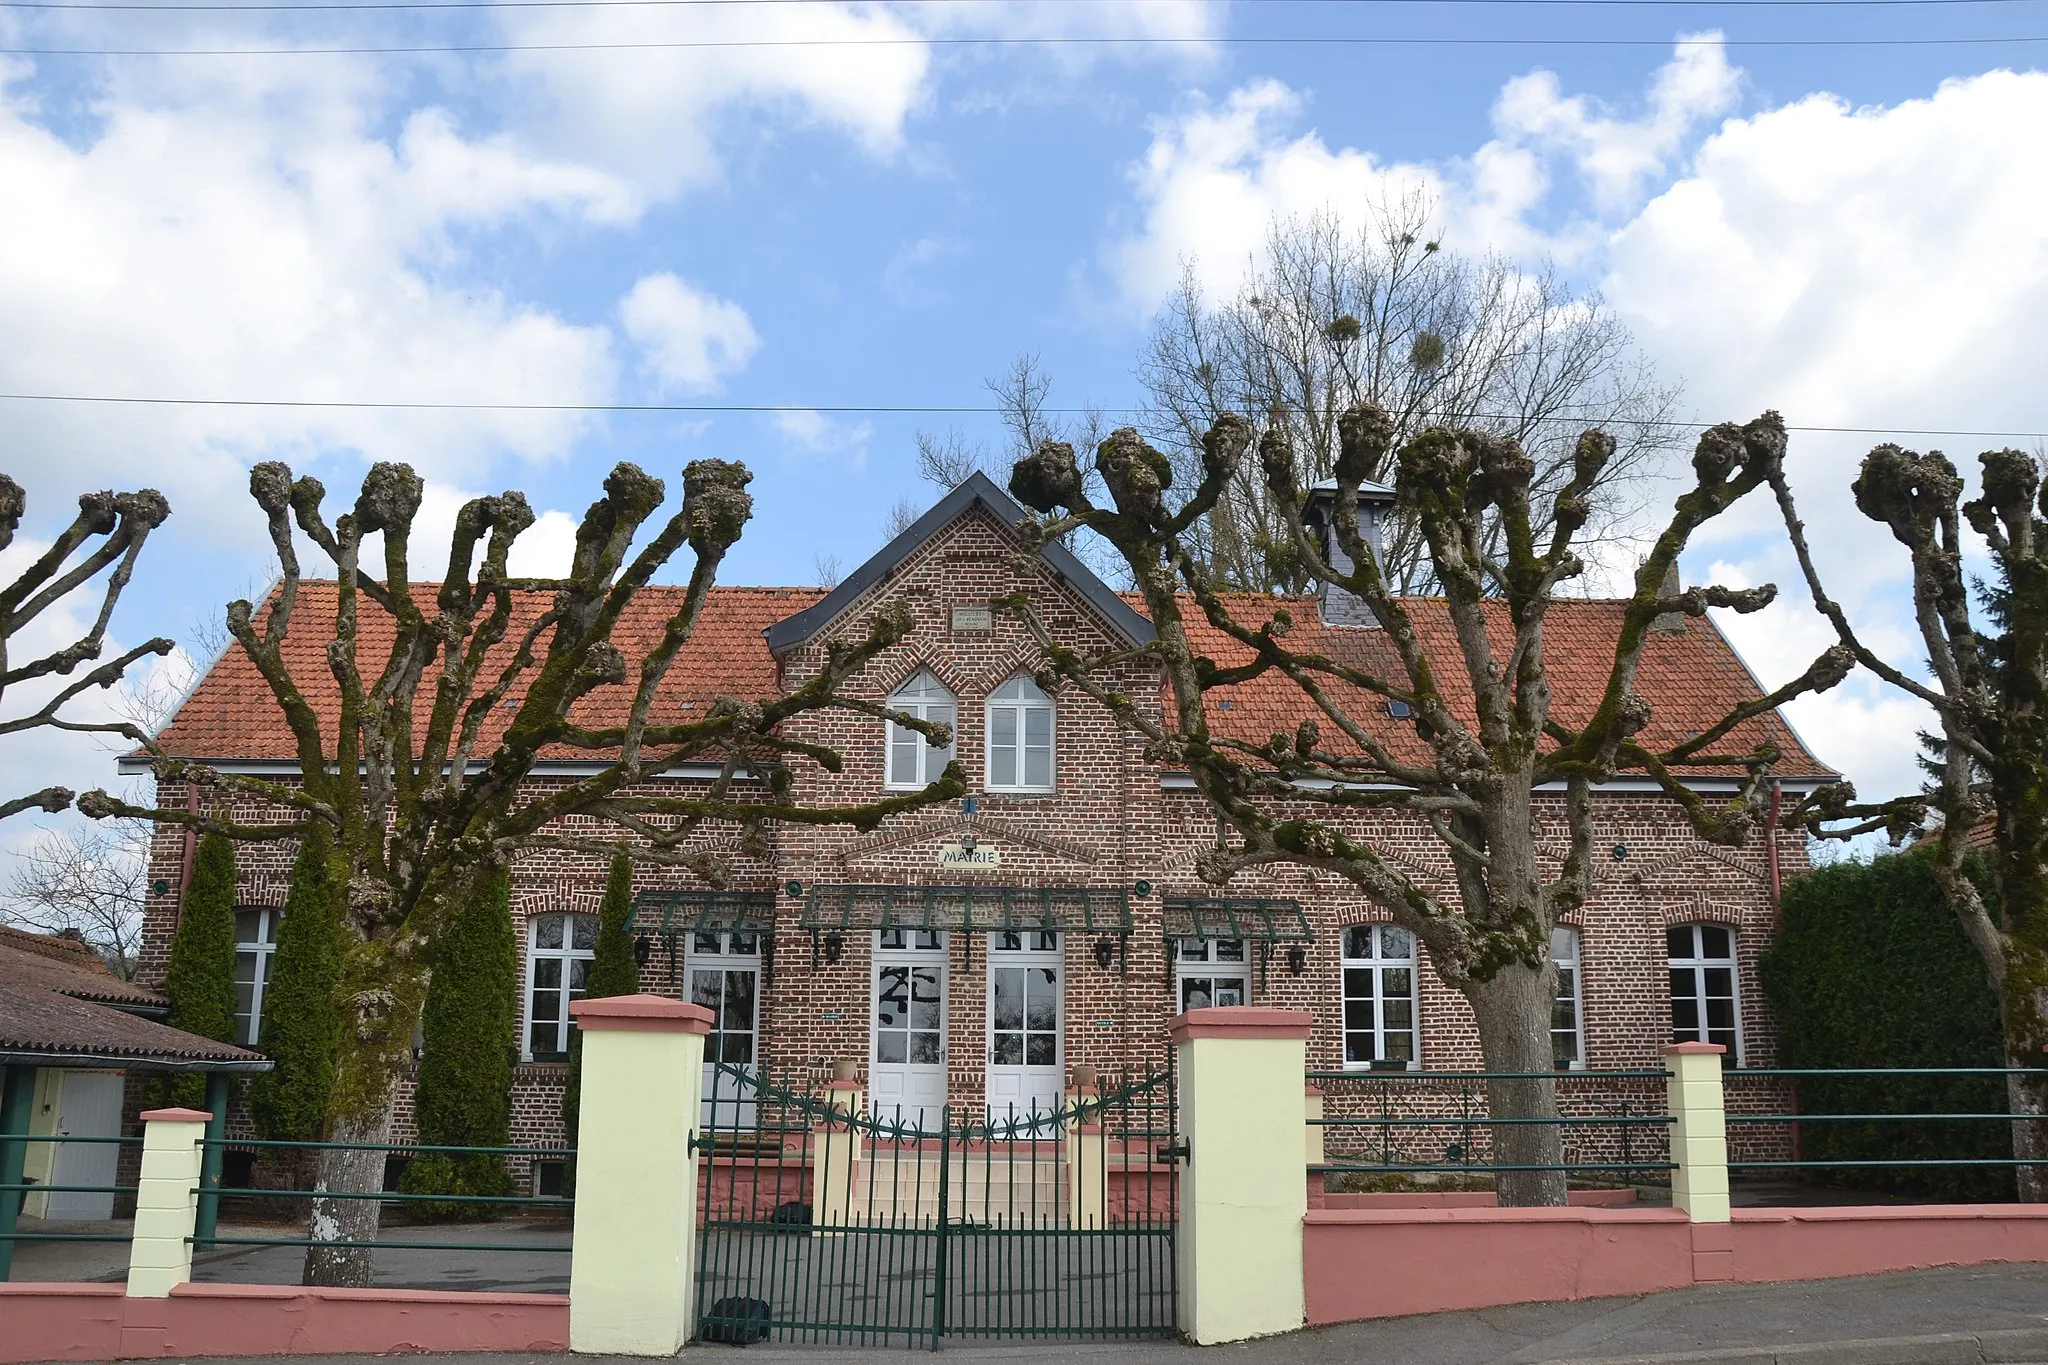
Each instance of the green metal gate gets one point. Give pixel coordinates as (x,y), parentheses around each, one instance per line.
(828,1223)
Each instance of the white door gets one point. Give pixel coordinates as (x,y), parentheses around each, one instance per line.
(1211,971)
(907,1071)
(1024,1017)
(725,977)
(89,1105)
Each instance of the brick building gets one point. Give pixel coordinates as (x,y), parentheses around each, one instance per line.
(975,953)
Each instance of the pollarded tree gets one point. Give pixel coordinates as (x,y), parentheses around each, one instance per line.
(1481,707)
(301,1029)
(1989,690)
(121,522)
(419,766)
(464,1094)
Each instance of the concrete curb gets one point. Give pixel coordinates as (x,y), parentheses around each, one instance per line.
(2026,1346)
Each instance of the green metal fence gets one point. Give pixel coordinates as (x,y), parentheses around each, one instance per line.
(15,1189)
(1808,1089)
(832,1223)
(206,1235)
(1394,1124)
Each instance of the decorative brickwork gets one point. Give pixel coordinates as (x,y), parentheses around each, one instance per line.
(1113,821)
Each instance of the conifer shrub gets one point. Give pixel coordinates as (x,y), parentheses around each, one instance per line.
(301,1029)
(613,971)
(463,1097)
(200,981)
(1871,970)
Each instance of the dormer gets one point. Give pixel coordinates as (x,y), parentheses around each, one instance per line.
(1375,505)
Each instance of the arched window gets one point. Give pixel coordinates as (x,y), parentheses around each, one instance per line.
(559,949)
(913,762)
(255,942)
(1703,999)
(1019,738)
(1379,997)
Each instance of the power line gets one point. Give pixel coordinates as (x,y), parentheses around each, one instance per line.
(1070,41)
(863,410)
(319,6)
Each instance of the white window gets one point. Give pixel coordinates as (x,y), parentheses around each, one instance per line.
(1703,1004)
(1019,738)
(255,941)
(725,978)
(1567,1041)
(1379,997)
(558,953)
(1211,972)
(913,762)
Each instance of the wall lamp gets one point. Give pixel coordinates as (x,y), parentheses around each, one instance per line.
(834,946)
(1105,953)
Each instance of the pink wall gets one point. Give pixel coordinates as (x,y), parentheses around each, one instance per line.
(98,1322)
(1387,1262)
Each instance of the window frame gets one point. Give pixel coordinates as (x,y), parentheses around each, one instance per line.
(931,762)
(1697,967)
(568,954)
(1575,963)
(264,950)
(1203,959)
(724,958)
(1378,965)
(1030,697)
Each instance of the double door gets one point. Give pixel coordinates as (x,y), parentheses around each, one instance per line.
(908,1024)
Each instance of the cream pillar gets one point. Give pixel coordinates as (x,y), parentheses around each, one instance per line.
(631,1272)
(1241,1194)
(1312,1115)
(836,1148)
(166,1202)
(1087,1162)
(1699,1131)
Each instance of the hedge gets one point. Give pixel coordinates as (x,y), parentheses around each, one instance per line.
(1870,969)
(301,1029)
(200,981)
(464,1094)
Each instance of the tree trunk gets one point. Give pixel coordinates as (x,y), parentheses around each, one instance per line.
(386,985)
(2028,1095)
(1513,1014)
(349,1220)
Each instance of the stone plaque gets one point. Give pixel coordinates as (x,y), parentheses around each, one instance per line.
(973,619)
(960,857)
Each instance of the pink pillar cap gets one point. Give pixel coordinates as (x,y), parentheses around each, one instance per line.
(1693,1049)
(176,1116)
(1240,1021)
(639,1014)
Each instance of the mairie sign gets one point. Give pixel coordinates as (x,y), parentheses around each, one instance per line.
(968,856)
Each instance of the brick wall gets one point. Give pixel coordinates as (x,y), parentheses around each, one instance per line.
(1109,824)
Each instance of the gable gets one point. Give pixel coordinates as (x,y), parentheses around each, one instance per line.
(978,491)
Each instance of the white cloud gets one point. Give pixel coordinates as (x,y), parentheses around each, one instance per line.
(1217,174)
(244,239)
(814,433)
(690,340)
(1616,153)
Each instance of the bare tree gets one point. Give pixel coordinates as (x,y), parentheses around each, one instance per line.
(1472,769)
(86,882)
(120,522)
(902,513)
(826,570)
(1989,689)
(420,773)
(1384,315)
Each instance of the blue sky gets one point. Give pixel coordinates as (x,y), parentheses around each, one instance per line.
(1855,234)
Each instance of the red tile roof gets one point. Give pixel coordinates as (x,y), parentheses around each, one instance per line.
(1690,679)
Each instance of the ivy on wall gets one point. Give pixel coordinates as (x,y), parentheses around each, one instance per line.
(1870,969)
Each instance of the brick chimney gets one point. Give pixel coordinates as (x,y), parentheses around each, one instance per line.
(1375,501)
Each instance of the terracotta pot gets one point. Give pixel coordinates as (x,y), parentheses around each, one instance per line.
(844,1068)
(1084,1075)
